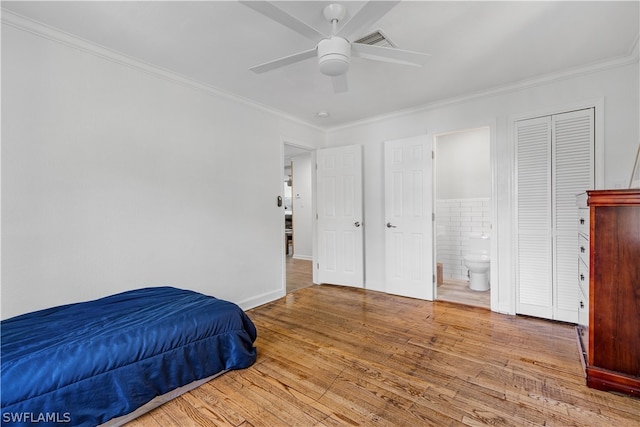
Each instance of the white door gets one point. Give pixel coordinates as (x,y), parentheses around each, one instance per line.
(533,218)
(408,217)
(572,173)
(340,224)
(555,161)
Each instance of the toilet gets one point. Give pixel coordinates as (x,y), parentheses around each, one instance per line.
(478,262)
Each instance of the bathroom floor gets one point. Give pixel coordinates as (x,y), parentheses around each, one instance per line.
(458,291)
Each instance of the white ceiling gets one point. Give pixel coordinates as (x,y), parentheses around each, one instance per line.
(475,46)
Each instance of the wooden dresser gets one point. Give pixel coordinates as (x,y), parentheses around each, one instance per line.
(611,339)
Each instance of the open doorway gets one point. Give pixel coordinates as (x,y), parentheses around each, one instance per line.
(298,217)
(462,235)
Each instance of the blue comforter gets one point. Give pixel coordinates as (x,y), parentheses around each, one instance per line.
(85,363)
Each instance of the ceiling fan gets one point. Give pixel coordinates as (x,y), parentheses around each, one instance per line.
(334,51)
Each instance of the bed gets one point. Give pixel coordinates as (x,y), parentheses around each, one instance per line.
(95,362)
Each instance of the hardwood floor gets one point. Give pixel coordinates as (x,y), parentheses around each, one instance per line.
(299,274)
(335,356)
(458,291)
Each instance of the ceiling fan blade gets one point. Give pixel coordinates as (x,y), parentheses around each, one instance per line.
(281,62)
(368,15)
(340,83)
(387,54)
(273,12)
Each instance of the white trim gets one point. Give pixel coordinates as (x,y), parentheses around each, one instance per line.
(314,218)
(261,299)
(499,90)
(297,143)
(304,146)
(598,122)
(507,303)
(42,30)
(283,249)
(494,249)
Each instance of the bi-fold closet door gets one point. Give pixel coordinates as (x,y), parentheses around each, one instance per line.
(554,162)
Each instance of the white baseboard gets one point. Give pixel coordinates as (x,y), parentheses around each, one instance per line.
(261,299)
(305,257)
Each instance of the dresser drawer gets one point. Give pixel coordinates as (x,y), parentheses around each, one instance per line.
(583,308)
(583,249)
(583,278)
(583,221)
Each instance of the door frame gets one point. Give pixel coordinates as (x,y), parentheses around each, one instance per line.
(297,144)
(496,252)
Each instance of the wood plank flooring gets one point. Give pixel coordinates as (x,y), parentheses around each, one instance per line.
(458,291)
(338,356)
(299,274)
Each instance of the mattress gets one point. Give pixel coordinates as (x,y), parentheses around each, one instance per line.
(86,363)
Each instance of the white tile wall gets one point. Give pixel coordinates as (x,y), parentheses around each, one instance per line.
(456,219)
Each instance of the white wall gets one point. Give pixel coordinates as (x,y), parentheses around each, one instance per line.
(619,88)
(115,178)
(463,164)
(302,207)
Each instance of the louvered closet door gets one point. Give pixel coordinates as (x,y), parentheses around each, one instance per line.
(573,172)
(555,161)
(533,213)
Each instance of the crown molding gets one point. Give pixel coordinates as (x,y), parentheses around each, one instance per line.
(43,30)
(50,33)
(631,58)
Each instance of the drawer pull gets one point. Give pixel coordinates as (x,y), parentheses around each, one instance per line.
(582,249)
(582,221)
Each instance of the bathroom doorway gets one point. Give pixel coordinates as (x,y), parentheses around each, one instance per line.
(462,204)
(297,190)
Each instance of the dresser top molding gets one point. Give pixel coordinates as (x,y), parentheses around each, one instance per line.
(618,197)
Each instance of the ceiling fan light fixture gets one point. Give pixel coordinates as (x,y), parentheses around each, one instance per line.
(334,55)
(334,52)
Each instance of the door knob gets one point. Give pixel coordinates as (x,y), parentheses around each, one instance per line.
(389,225)
(357,223)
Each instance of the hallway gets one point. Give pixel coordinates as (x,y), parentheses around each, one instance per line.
(299,274)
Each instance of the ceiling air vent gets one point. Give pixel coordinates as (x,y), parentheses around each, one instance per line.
(377,38)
